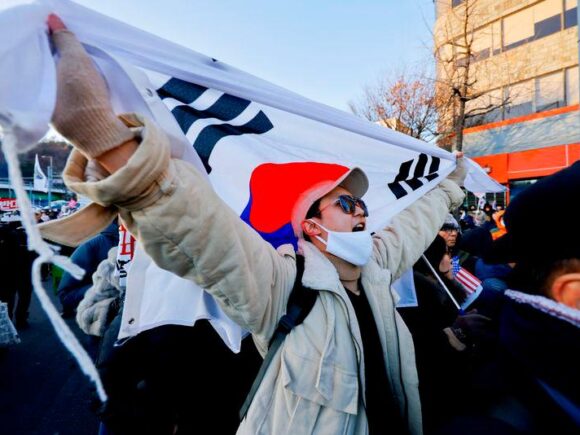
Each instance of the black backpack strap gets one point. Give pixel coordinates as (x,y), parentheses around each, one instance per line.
(299,305)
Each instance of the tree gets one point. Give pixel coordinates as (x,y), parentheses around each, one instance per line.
(472,84)
(406,103)
(465,73)
(51,146)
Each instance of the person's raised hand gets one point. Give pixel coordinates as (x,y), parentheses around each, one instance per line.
(83,113)
(460,172)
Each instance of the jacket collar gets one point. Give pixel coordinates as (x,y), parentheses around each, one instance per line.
(548,306)
(319,272)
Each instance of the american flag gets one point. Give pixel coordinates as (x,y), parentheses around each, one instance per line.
(470,282)
(455,266)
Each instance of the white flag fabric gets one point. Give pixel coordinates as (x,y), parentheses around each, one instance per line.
(244,131)
(40,180)
(406,292)
(481,199)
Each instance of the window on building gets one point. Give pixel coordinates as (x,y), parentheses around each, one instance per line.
(538,21)
(481,45)
(518,186)
(518,29)
(547,18)
(472,118)
(455,3)
(485,109)
(570,13)
(484,42)
(497,99)
(494,199)
(460,50)
(550,91)
(520,99)
(572,90)
(496,37)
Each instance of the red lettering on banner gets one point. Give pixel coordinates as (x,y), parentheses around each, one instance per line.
(126,242)
(8,204)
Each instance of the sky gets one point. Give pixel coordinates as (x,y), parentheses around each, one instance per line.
(326,50)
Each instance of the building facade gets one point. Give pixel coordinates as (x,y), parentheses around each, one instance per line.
(523,66)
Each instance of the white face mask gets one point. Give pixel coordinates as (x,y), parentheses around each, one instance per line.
(354,247)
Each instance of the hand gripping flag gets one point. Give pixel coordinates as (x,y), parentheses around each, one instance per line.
(248,135)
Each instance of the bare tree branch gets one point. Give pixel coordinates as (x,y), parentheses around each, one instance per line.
(404,103)
(459,81)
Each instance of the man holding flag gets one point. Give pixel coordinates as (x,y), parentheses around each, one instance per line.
(349,366)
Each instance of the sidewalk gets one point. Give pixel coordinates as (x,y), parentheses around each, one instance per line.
(42,390)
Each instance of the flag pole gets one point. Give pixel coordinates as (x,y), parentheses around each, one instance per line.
(441,282)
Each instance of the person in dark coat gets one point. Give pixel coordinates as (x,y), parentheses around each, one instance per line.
(473,247)
(466,220)
(444,339)
(170,380)
(15,267)
(533,384)
(88,256)
(488,209)
(450,232)
(484,217)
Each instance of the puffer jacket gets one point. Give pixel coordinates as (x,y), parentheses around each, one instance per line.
(316,382)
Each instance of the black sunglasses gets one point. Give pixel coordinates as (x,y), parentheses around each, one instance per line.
(349,203)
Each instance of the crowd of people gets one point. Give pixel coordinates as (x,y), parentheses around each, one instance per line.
(497,363)
(488,348)
(16,261)
(15,267)
(59,210)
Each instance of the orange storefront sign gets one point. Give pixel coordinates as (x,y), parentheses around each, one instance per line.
(529,164)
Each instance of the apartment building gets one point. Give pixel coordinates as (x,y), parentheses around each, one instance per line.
(523,58)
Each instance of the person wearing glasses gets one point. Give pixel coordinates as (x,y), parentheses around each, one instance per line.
(450,232)
(349,367)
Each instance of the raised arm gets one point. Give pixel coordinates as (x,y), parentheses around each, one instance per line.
(410,233)
(83,113)
(166,204)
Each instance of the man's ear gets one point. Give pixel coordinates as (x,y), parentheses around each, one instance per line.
(310,228)
(566,290)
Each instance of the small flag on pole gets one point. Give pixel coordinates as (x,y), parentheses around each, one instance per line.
(481,199)
(40,179)
(470,283)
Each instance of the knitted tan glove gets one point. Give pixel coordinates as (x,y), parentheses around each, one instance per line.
(83,113)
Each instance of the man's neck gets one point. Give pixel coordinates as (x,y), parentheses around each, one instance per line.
(348,273)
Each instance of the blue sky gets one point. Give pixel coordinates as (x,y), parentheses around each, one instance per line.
(326,50)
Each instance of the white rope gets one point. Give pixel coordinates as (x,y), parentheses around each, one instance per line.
(46,255)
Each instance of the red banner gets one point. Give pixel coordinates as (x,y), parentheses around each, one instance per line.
(8,204)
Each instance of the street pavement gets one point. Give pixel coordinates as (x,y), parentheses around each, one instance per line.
(42,389)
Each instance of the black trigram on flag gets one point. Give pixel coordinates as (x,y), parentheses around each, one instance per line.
(225,108)
(423,170)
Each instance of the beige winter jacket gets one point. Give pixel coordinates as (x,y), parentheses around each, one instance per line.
(315,384)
